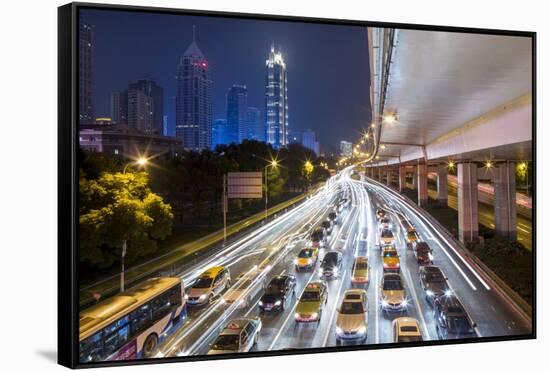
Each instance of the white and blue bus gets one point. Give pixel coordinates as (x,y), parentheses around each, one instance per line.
(131,325)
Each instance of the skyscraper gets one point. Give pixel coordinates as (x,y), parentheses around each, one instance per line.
(140,111)
(194,99)
(276,100)
(309,140)
(85,75)
(254,125)
(150,89)
(119,107)
(219,132)
(237,105)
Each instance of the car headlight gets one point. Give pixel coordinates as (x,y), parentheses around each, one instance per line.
(314,315)
(309,261)
(404,303)
(186,296)
(362,330)
(430,256)
(261,303)
(429,293)
(296,261)
(448,293)
(202,297)
(277,303)
(397,265)
(384,303)
(335,271)
(339,331)
(296,315)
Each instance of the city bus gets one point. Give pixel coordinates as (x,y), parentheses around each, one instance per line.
(132,324)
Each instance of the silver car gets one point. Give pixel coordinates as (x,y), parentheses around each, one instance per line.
(352,318)
(239,336)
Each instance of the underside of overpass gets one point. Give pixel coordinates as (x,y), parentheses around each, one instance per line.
(448,100)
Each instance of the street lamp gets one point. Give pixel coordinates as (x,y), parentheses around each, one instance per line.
(273,163)
(142,161)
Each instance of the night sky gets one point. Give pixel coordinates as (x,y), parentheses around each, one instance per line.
(328,71)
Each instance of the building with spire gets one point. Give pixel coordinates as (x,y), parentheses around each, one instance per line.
(276,100)
(194,99)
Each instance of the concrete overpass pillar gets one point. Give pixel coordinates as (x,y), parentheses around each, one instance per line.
(414,178)
(442,187)
(380,174)
(468,227)
(388,178)
(422,184)
(402,178)
(505,200)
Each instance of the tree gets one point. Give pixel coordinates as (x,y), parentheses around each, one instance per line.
(117,207)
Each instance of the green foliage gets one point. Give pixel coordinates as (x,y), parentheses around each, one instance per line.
(510,261)
(117,207)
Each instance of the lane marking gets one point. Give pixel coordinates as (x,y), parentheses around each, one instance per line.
(337,299)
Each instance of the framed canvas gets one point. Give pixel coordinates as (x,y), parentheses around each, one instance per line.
(246,185)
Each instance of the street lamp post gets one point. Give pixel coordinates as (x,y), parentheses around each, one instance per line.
(273,164)
(142,161)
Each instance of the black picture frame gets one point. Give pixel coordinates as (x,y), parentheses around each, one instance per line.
(68,313)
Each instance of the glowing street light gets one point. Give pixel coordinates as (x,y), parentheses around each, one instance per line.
(488,164)
(273,163)
(389,119)
(142,161)
(451,165)
(383,146)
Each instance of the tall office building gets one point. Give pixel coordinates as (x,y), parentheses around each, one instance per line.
(86,72)
(219,132)
(237,105)
(346,148)
(309,140)
(255,129)
(140,111)
(150,89)
(119,107)
(194,99)
(276,100)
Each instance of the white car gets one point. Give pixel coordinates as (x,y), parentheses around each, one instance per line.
(405,330)
(352,318)
(244,290)
(239,336)
(385,223)
(386,237)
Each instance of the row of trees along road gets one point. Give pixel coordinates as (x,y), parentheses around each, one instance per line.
(143,206)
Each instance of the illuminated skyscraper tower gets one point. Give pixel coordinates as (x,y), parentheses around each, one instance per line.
(276,100)
(194,99)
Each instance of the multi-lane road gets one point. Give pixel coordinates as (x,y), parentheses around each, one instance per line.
(270,250)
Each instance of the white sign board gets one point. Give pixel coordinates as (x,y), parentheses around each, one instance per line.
(245,185)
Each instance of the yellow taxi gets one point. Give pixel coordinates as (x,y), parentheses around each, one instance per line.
(360,273)
(312,301)
(411,237)
(390,259)
(306,259)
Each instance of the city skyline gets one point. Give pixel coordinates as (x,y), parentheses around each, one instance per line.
(232,63)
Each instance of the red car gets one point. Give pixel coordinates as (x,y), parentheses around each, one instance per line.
(423,253)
